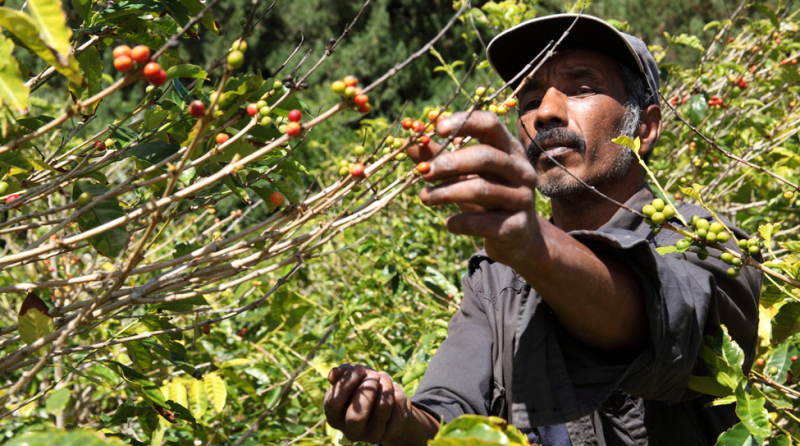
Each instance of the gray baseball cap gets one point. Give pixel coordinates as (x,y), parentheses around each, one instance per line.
(511,50)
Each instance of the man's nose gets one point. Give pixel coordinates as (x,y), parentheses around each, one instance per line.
(552,110)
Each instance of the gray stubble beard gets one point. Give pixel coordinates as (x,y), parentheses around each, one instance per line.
(568,188)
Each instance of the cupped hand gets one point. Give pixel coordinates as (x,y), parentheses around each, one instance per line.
(366,405)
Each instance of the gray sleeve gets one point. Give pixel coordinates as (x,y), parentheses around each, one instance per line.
(685,299)
(459,377)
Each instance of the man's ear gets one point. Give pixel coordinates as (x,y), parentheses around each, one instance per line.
(649,128)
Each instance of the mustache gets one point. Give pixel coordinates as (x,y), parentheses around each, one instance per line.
(560,134)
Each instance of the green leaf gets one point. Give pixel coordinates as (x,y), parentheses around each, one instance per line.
(724,358)
(33,321)
(140,384)
(216,391)
(53,30)
(64,438)
(153,152)
(691,192)
(698,107)
(139,354)
(666,249)
(92,68)
(160,324)
(708,385)
(195,7)
(82,7)
(12,88)
(738,435)
(111,242)
(780,440)
(786,322)
(752,413)
(27,31)
(766,232)
(315,394)
(57,401)
(767,11)
(475,430)
(690,41)
(198,402)
(628,142)
(781,359)
(414,372)
(186,70)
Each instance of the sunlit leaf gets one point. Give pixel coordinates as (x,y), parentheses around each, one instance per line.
(26,30)
(33,321)
(216,391)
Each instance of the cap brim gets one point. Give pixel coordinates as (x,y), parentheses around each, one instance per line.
(513,49)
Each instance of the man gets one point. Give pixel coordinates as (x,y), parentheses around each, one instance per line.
(574,329)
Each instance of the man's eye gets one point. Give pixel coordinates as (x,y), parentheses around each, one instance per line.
(531,105)
(584,91)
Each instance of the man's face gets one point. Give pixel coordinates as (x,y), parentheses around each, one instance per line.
(572,109)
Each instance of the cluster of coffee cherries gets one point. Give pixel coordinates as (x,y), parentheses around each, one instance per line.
(493,107)
(657,213)
(717,102)
(124,57)
(261,108)
(348,87)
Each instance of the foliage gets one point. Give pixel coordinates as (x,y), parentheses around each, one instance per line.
(181,305)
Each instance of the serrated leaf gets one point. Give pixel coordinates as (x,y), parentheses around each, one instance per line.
(57,400)
(92,69)
(12,88)
(216,391)
(738,435)
(33,321)
(786,322)
(111,242)
(752,413)
(25,29)
(198,400)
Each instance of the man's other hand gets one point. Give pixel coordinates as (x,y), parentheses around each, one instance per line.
(366,405)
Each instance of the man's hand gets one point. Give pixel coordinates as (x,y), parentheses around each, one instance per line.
(596,298)
(493,184)
(368,406)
